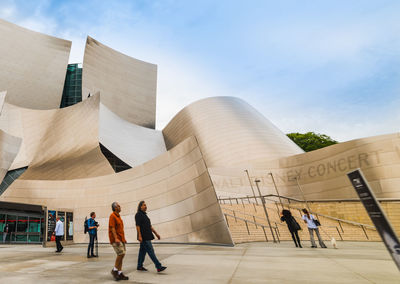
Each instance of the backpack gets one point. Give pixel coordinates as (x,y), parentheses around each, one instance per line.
(86,225)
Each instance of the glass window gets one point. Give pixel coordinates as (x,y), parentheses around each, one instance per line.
(61,215)
(10,177)
(22,224)
(3,234)
(70,226)
(34,224)
(34,238)
(20,238)
(72,92)
(22,228)
(2,222)
(12,222)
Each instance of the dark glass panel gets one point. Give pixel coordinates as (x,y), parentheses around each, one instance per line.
(22,224)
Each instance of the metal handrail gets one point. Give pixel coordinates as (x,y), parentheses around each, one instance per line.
(297,200)
(260,218)
(255,223)
(311,200)
(254,218)
(243,213)
(276,224)
(268,195)
(362,226)
(340,220)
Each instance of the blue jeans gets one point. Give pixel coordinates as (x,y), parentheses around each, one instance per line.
(147,247)
(90,248)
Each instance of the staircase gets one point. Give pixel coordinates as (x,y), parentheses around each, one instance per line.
(248,223)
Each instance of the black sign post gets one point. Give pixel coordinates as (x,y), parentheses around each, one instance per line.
(376,214)
(51,224)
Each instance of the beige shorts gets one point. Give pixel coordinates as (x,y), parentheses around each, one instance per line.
(119,248)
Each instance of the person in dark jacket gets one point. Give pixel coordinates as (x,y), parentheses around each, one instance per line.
(145,235)
(293,226)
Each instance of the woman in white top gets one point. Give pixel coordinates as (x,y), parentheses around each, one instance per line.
(309,220)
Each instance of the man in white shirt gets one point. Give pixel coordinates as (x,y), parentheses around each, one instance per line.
(59,234)
(5,232)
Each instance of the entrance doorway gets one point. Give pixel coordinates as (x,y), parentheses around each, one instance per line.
(21,223)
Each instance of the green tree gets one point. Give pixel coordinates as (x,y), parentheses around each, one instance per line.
(311,141)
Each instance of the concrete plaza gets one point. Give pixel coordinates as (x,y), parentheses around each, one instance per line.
(353,262)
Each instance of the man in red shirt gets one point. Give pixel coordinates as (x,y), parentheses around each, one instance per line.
(117,240)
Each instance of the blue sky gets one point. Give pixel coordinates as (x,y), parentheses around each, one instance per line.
(331,67)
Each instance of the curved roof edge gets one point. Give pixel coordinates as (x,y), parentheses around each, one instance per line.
(230,132)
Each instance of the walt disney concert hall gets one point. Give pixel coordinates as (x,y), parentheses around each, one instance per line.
(76,137)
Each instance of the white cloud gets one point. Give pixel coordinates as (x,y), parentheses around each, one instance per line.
(77,47)
(296,64)
(7,12)
(46,26)
(181,83)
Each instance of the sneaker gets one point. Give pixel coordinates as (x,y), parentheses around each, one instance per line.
(142,269)
(313,246)
(89,256)
(162,268)
(122,277)
(114,273)
(94,255)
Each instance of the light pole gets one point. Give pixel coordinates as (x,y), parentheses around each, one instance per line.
(302,193)
(276,188)
(265,208)
(251,185)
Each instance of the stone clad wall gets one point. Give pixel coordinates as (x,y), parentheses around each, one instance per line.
(321,173)
(355,211)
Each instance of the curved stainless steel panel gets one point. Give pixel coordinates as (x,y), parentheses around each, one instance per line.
(128,86)
(32,67)
(131,143)
(229,132)
(59,143)
(181,199)
(9,147)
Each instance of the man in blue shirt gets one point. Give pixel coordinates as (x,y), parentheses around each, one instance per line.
(93,225)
